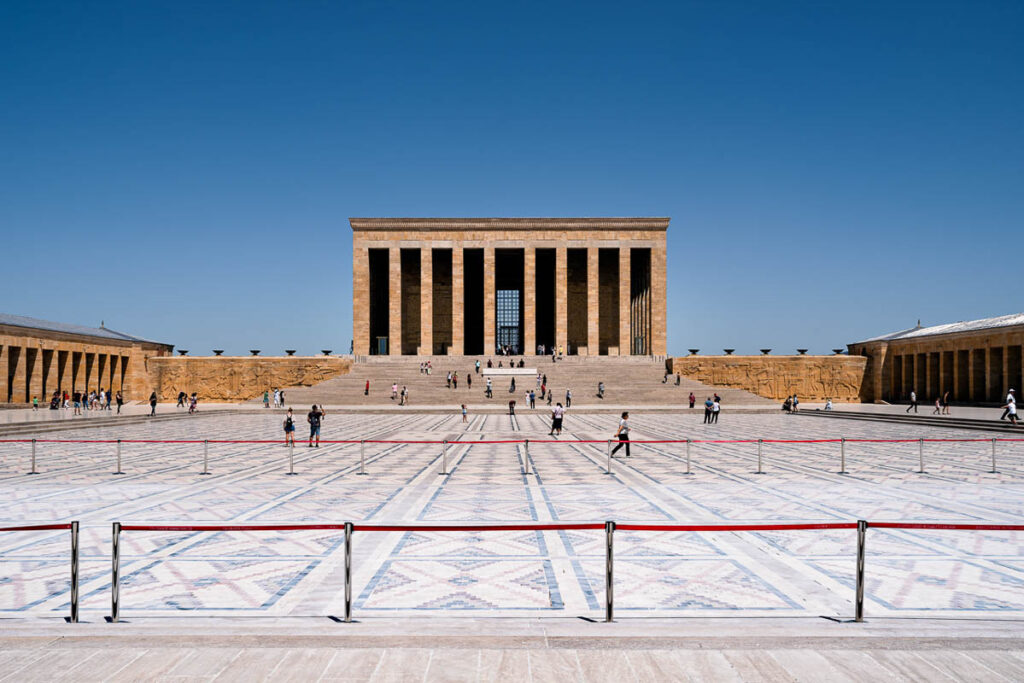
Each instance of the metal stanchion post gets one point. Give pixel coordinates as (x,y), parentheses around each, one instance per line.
(444,458)
(609,588)
(842,456)
(994,470)
(291,459)
(33,471)
(348,572)
(115,585)
(862,533)
(119,458)
(526,455)
(74,573)
(206,457)
(688,442)
(362,458)
(608,457)
(920,455)
(760,445)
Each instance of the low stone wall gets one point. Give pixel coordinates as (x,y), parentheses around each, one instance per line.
(239,378)
(811,378)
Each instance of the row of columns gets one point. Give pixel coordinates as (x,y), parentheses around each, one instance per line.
(28,371)
(943,371)
(361,313)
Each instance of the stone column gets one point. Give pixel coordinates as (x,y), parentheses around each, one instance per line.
(1005,386)
(970,375)
(19,381)
(929,390)
(360,301)
(78,370)
(426,301)
(4,351)
(659,304)
(593,303)
(625,332)
(50,363)
(530,301)
(34,371)
(561,298)
(394,301)
(458,302)
(489,300)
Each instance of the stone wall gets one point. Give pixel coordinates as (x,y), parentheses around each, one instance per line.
(234,378)
(811,378)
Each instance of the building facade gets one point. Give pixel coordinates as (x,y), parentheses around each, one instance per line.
(469,286)
(976,361)
(38,357)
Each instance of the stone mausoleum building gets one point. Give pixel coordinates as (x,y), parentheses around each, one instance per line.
(468,286)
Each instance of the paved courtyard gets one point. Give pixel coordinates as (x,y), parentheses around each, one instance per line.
(515,573)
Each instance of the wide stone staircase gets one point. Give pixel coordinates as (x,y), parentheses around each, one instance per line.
(629,381)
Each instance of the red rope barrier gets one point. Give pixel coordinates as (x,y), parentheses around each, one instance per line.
(36,527)
(565,441)
(226,527)
(734,527)
(477,527)
(929,525)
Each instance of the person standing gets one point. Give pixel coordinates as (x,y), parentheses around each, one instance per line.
(77,398)
(366,387)
(455,380)
(796,403)
(394,391)
(289,428)
(469,382)
(512,407)
(314,418)
(1010,400)
(488,391)
(693,399)
(152,404)
(716,408)
(476,366)
(266,398)
(181,400)
(568,398)
(913,401)
(938,406)
(512,386)
(1011,412)
(708,403)
(600,390)
(556,420)
(448,380)
(622,435)
(678,379)
(533,399)
(192,403)
(464,414)
(945,402)
(405,396)
(120,402)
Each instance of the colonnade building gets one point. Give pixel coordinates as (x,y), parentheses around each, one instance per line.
(38,357)
(976,361)
(469,286)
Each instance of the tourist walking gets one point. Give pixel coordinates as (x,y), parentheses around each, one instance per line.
(512,407)
(488,392)
(455,380)
(77,398)
(533,399)
(600,389)
(913,401)
(556,420)
(693,399)
(476,366)
(622,435)
(469,382)
(938,406)
(796,402)
(678,379)
(568,398)
(448,380)
(464,414)
(394,391)
(707,409)
(405,396)
(120,402)
(512,386)
(945,403)
(289,428)
(1010,400)
(314,418)
(716,408)
(1011,412)
(192,403)
(366,387)
(152,404)
(266,398)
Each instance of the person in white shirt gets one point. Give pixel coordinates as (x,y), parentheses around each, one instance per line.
(556,420)
(1010,400)
(716,408)
(1011,410)
(622,435)
(913,401)
(828,404)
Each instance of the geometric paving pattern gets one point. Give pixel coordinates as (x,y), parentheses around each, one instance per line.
(535,573)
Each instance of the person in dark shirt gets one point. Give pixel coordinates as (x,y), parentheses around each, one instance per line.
(314,418)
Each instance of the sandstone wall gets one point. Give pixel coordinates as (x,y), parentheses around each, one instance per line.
(811,378)
(239,378)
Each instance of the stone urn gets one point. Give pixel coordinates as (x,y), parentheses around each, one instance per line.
(254,352)
(290,352)
(326,352)
(802,352)
(728,352)
(693,352)
(765,352)
(182,352)
(838,352)
(218,352)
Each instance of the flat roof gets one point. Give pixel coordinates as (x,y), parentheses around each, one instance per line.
(427,224)
(952,328)
(69,328)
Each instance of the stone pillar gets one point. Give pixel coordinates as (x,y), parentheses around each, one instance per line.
(78,371)
(360,301)
(970,375)
(394,301)
(34,372)
(4,351)
(458,302)
(489,301)
(625,331)
(561,298)
(426,301)
(593,303)
(929,390)
(530,301)
(19,381)
(659,304)
(1005,385)
(52,383)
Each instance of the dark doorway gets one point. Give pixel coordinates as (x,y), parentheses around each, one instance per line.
(576,299)
(640,300)
(473,298)
(441,268)
(380,317)
(508,294)
(608,300)
(545,308)
(410,297)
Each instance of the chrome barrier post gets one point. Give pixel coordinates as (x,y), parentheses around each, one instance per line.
(444,458)
(362,458)
(115,585)
(119,458)
(526,455)
(291,460)
(760,445)
(842,455)
(688,442)
(862,533)
(348,572)
(33,471)
(74,573)
(206,457)
(994,470)
(920,455)
(608,457)
(609,577)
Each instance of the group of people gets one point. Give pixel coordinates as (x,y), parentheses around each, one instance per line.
(791,404)
(314,418)
(712,407)
(97,399)
(191,401)
(277,396)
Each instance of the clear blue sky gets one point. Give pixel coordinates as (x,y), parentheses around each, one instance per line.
(833,170)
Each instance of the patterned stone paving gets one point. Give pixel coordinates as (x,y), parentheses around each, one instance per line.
(515,573)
